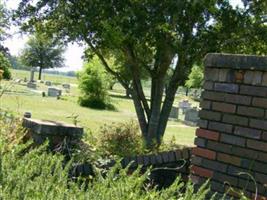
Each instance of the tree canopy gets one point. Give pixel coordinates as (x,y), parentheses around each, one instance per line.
(4,25)
(151,36)
(42,51)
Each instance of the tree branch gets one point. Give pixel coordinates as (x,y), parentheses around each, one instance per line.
(106,65)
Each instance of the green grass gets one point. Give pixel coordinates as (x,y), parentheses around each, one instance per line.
(20,100)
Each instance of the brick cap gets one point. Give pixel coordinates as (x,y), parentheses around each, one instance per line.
(236,61)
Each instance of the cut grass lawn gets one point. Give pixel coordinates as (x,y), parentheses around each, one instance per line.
(20,99)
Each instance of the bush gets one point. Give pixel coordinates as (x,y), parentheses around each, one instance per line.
(39,174)
(5,66)
(93,86)
(122,139)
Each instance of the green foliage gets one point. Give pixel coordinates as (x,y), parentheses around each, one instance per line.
(195,77)
(93,86)
(38,174)
(4,25)
(5,66)
(122,139)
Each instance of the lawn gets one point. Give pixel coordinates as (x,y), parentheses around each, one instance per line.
(20,99)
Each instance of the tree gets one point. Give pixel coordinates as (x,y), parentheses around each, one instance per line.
(195,78)
(4,25)
(5,66)
(150,35)
(93,85)
(42,51)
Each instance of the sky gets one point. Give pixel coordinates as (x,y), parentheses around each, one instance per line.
(73,53)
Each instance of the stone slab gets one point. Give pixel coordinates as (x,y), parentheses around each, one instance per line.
(236,61)
(53,128)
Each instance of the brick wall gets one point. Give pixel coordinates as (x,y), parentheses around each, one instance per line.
(232,133)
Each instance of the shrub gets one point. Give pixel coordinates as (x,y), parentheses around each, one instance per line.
(93,86)
(5,66)
(122,139)
(195,77)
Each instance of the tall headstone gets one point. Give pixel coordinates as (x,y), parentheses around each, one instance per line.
(174,114)
(32,76)
(191,116)
(31,83)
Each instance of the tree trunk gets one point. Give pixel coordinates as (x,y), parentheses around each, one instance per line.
(170,96)
(156,100)
(40,73)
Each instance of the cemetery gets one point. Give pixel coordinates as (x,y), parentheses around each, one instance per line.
(167,101)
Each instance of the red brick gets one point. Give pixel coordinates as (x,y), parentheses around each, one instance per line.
(224,107)
(205,104)
(231,139)
(210,115)
(216,96)
(253,90)
(235,119)
(222,127)
(229,159)
(259,102)
(204,153)
(262,146)
(262,178)
(237,99)
(253,77)
(211,135)
(250,111)
(221,177)
(226,87)
(208,85)
(259,124)
(211,74)
(201,171)
(248,132)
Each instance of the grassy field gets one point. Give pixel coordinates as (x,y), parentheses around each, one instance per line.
(20,99)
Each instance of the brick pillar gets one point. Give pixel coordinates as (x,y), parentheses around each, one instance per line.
(232,133)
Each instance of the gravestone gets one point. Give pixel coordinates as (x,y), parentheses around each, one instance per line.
(48,83)
(66,86)
(57,133)
(32,76)
(184,105)
(54,92)
(174,114)
(191,116)
(31,85)
(18,81)
(27,115)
